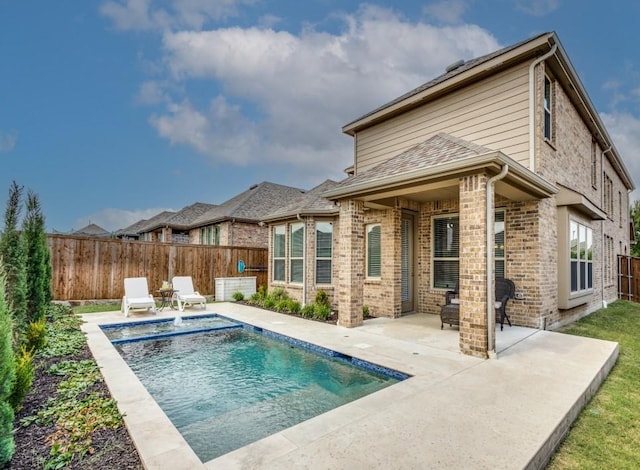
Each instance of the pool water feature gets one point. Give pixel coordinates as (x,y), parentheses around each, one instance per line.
(233,385)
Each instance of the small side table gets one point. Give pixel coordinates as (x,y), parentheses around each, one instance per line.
(166,296)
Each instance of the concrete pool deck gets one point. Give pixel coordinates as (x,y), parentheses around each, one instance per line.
(454,412)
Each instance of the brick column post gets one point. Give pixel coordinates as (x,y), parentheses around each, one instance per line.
(473,265)
(351,260)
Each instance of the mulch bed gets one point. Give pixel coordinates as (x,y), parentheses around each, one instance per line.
(112,448)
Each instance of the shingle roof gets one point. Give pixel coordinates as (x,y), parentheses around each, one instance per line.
(439,149)
(92,230)
(156,221)
(252,204)
(310,203)
(132,229)
(185,216)
(448,75)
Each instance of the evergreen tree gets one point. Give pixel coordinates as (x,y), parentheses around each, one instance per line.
(7,379)
(12,262)
(635,218)
(38,269)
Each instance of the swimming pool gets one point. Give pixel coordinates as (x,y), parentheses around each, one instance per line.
(235,384)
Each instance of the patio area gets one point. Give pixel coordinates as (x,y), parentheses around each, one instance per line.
(455,411)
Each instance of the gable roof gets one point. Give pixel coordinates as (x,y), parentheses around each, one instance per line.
(187,215)
(485,66)
(310,203)
(441,157)
(92,230)
(251,205)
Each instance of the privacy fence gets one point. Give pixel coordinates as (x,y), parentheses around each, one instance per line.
(629,278)
(89,268)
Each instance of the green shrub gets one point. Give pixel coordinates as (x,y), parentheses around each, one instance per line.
(278,294)
(282,305)
(365,311)
(7,444)
(255,299)
(321,312)
(262,292)
(37,335)
(25,373)
(322,298)
(269,302)
(307,311)
(237,296)
(7,379)
(294,306)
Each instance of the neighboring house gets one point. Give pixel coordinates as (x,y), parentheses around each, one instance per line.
(302,244)
(156,229)
(499,167)
(173,227)
(132,232)
(237,222)
(92,230)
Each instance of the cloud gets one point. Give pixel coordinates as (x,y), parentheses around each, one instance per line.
(286,96)
(447,11)
(148,15)
(624,129)
(8,140)
(537,7)
(114,219)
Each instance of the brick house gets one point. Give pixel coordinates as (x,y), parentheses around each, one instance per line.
(499,167)
(238,221)
(173,227)
(302,242)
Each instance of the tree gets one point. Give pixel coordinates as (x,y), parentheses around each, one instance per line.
(635,218)
(12,264)
(37,260)
(7,379)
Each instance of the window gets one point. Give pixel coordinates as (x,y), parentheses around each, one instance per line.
(581,257)
(446,245)
(446,249)
(620,208)
(373,251)
(279,244)
(548,106)
(594,164)
(324,245)
(296,252)
(216,235)
(203,236)
(608,195)
(209,235)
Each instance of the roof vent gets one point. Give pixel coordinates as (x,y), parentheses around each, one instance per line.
(254,186)
(455,65)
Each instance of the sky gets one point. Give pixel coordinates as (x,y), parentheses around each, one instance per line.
(113,111)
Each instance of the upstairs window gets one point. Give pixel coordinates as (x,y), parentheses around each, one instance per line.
(594,164)
(548,106)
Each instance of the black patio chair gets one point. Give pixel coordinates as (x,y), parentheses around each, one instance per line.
(505,290)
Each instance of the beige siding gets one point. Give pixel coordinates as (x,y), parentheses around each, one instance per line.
(493,113)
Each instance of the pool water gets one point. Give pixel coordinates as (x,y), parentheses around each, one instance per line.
(227,388)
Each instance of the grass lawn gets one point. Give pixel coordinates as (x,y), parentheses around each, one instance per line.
(607,432)
(96,308)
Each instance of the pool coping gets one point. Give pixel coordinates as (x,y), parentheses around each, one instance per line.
(399,426)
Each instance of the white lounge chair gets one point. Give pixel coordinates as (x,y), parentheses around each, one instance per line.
(185,294)
(136,295)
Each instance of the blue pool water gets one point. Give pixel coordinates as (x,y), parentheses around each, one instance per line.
(231,386)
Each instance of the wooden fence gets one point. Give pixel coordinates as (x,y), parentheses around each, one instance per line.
(89,268)
(629,278)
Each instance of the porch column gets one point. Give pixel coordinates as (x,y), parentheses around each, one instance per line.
(351,263)
(473,265)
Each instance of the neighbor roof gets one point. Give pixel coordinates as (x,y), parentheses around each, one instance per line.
(310,203)
(186,216)
(251,205)
(92,230)
(158,220)
(133,229)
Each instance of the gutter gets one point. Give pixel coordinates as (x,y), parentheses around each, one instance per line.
(490,222)
(532,98)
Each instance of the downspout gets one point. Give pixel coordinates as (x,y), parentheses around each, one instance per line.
(491,313)
(532,98)
(304,260)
